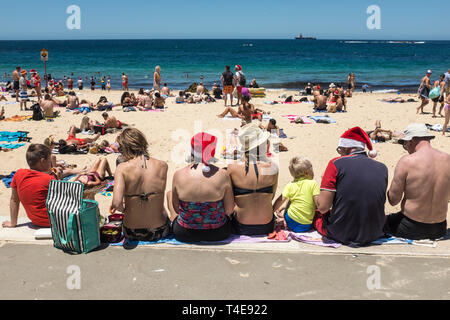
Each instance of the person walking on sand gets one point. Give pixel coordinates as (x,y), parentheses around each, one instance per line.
(36,79)
(441,84)
(422,184)
(227,80)
(424,91)
(240,82)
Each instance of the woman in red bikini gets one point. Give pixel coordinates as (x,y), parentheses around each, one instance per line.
(72,139)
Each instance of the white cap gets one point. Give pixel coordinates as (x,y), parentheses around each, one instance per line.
(429,71)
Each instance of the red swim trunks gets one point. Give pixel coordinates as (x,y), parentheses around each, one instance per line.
(256,115)
(80,141)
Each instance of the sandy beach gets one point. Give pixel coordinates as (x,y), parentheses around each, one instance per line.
(169,132)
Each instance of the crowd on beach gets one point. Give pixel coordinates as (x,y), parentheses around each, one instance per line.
(209,203)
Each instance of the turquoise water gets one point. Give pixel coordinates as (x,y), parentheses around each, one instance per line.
(274,63)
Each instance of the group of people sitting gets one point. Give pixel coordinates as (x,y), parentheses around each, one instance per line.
(331,100)
(209,203)
(145,100)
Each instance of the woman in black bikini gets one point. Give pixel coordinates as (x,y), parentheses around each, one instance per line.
(139,185)
(255,181)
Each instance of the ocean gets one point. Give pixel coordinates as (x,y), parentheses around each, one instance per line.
(384,65)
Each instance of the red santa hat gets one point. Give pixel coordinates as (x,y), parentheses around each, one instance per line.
(238,67)
(357,138)
(203,147)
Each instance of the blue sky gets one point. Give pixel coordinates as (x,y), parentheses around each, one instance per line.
(228,19)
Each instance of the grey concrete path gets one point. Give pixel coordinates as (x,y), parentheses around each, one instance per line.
(29,271)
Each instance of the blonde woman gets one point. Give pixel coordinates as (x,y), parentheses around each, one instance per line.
(140,182)
(157,79)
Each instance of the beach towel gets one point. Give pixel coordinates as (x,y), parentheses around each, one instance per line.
(317,118)
(395,240)
(325,111)
(436,127)
(313,237)
(292,118)
(8,179)
(17,118)
(12,136)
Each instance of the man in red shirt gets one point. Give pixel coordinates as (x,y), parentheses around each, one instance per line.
(30,187)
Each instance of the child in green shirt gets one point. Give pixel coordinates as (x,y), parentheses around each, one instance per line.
(300,197)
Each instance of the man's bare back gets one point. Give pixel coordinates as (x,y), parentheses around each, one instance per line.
(426,182)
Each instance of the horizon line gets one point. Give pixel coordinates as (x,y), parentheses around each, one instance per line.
(317,39)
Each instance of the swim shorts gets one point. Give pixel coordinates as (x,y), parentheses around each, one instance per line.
(401,226)
(72,137)
(16,85)
(227,89)
(424,93)
(438,100)
(251,229)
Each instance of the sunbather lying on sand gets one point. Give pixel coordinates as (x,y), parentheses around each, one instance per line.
(274,134)
(381,135)
(80,143)
(112,122)
(96,174)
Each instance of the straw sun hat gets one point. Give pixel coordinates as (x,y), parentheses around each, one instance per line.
(251,137)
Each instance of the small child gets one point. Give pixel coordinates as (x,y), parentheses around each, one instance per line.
(301,195)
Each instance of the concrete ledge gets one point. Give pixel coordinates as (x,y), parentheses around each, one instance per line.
(24,233)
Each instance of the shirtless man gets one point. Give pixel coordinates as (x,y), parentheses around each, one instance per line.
(47,106)
(112,122)
(424,91)
(165,91)
(422,179)
(16,78)
(72,101)
(200,89)
(320,101)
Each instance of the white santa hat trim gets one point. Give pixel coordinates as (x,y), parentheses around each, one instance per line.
(350,143)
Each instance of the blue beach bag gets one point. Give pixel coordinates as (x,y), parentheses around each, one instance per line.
(74,221)
(435,92)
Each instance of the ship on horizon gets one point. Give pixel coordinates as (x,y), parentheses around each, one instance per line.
(301,37)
